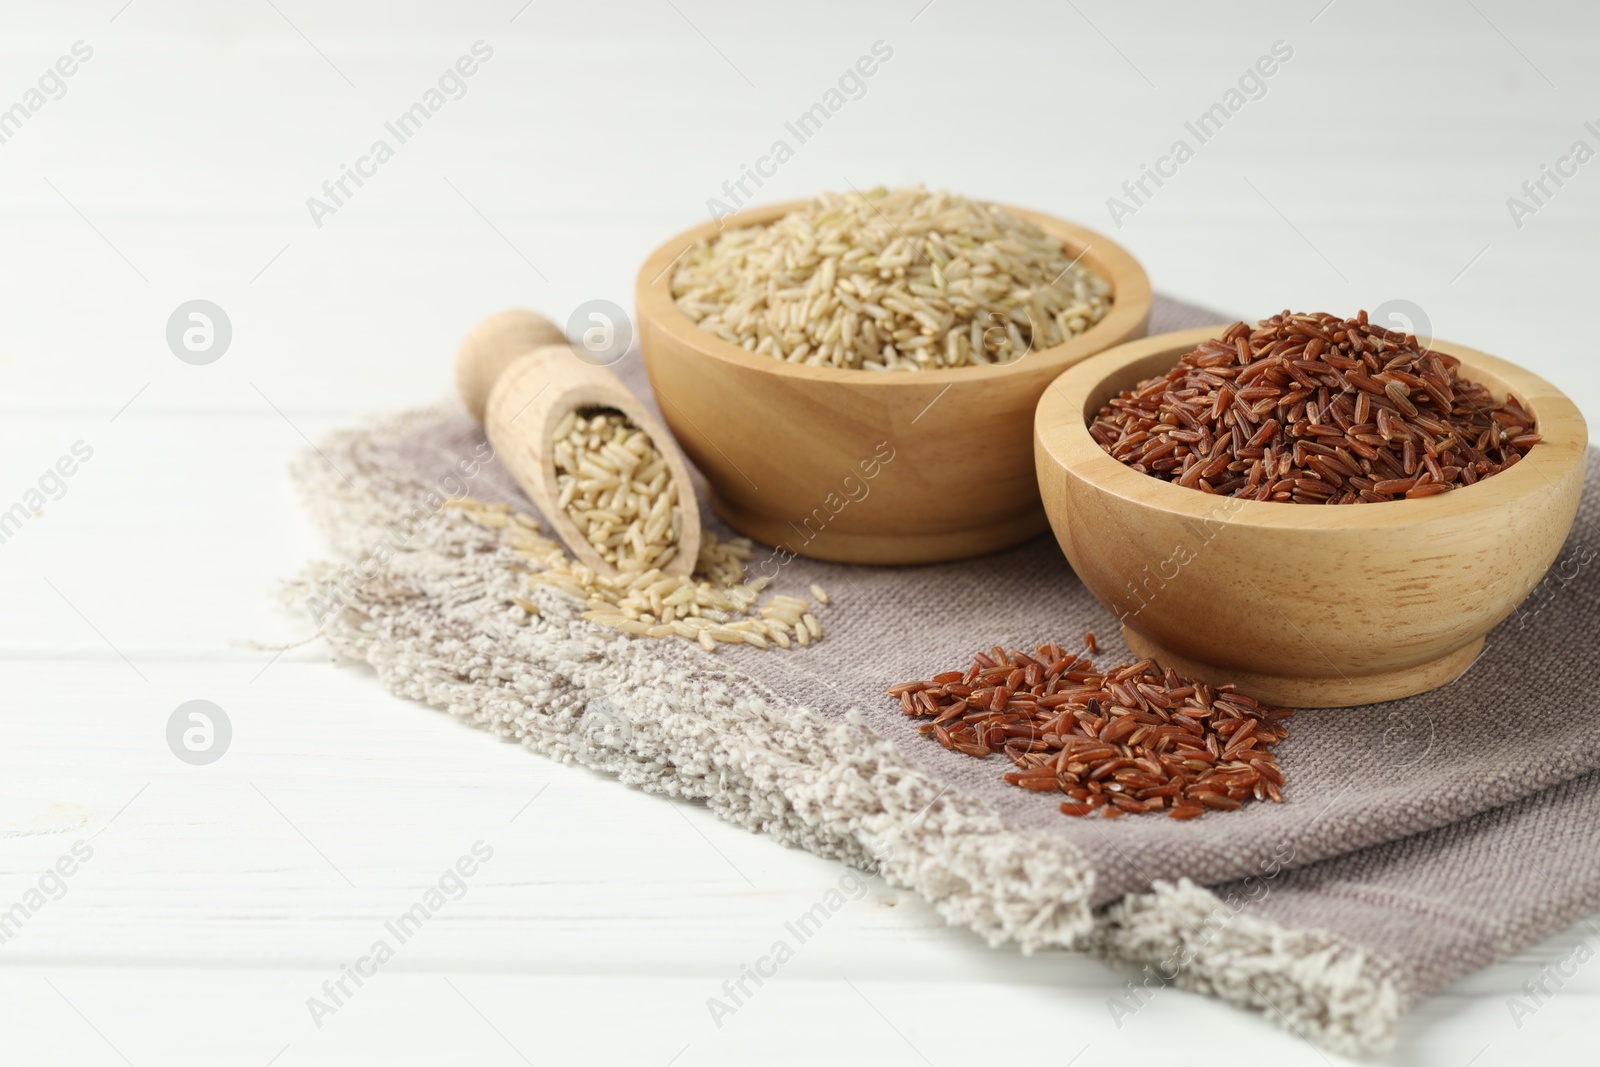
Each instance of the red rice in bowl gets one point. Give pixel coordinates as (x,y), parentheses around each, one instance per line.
(1313,409)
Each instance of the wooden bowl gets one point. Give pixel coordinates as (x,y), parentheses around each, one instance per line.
(858,466)
(1299,604)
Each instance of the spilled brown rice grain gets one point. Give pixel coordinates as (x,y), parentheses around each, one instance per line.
(715,605)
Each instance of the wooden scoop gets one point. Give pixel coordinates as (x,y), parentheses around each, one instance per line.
(517,374)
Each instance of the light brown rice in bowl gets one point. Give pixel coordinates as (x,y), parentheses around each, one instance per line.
(898,279)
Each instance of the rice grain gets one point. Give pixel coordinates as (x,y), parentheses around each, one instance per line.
(1313,409)
(890,280)
(713,605)
(1129,738)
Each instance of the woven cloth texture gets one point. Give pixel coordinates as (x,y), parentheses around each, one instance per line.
(1428,835)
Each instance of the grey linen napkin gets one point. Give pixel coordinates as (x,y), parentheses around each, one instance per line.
(1419,839)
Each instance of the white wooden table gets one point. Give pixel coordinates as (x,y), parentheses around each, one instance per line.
(176,164)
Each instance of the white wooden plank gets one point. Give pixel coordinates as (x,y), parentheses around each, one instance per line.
(405,1016)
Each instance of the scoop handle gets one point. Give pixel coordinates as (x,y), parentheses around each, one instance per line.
(492,346)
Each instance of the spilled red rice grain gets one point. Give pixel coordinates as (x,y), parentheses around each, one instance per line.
(1314,409)
(1129,738)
